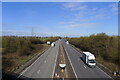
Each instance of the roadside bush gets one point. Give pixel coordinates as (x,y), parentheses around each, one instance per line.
(52,39)
(20,45)
(101,45)
(36,41)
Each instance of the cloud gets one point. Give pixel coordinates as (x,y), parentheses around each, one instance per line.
(98,17)
(114,8)
(82,25)
(61,22)
(22,33)
(73,6)
(82,12)
(88,17)
(7,24)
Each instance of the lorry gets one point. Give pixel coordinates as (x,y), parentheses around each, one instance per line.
(89,59)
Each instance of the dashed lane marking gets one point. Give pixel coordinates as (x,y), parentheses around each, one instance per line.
(38,71)
(84,66)
(45,61)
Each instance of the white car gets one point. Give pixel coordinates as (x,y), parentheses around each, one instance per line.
(53,44)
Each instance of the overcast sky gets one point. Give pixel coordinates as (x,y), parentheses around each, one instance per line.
(71,19)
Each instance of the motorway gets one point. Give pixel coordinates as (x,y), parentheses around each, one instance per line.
(44,66)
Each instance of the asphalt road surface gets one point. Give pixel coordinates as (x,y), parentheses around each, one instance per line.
(44,66)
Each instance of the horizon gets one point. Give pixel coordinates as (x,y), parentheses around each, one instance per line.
(51,35)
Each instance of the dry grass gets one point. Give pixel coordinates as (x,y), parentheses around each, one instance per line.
(109,65)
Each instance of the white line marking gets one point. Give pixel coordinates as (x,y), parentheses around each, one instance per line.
(38,71)
(84,66)
(55,63)
(104,72)
(71,65)
(22,72)
(31,65)
(45,61)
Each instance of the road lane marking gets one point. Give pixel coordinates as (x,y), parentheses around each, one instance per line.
(33,63)
(22,72)
(38,71)
(45,61)
(84,66)
(62,70)
(71,64)
(104,72)
(55,62)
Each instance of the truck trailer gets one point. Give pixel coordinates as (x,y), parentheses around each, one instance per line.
(89,59)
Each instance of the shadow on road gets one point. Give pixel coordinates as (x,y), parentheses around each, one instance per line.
(6,76)
(85,63)
(13,76)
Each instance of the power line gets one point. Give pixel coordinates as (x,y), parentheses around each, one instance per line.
(32,33)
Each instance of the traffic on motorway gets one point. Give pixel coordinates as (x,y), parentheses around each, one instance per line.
(61,60)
